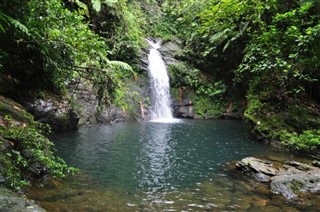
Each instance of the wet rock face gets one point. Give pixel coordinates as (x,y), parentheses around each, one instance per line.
(288,178)
(84,101)
(170,49)
(58,114)
(183,109)
(94,109)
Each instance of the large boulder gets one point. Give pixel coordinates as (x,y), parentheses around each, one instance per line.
(286,178)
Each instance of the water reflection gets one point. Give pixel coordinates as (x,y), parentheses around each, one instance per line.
(155,155)
(159,167)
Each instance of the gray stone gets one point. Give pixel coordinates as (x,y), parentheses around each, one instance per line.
(285,178)
(2,179)
(256,165)
(36,169)
(316,163)
(10,201)
(289,185)
(58,114)
(262,178)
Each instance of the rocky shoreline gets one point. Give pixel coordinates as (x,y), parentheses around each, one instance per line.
(287,178)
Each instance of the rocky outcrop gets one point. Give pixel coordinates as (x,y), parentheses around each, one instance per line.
(84,101)
(184,109)
(14,110)
(57,113)
(10,201)
(93,107)
(82,105)
(170,50)
(289,178)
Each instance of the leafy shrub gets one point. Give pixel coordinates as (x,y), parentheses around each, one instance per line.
(29,147)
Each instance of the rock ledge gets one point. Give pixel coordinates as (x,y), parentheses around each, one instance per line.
(286,178)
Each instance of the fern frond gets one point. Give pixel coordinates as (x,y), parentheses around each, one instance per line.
(17,24)
(120,65)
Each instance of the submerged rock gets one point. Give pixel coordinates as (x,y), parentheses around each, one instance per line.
(286,178)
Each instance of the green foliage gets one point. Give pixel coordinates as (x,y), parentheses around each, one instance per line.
(30,147)
(4,19)
(206,107)
(206,96)
(119,22)
(283,56)
(266,50)
(296,126)
(58,48)
(309,139)
(186,77)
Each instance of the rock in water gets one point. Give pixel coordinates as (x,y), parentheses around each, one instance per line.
(288,179)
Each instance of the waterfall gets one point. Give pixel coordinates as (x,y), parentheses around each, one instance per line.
(159,83)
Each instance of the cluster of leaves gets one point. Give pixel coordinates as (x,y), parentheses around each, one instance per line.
(214,32)
(119,22)
(267,49)
(185,77)
(206,96)
(283,57)
(56,47)
(30,150)
(296,126)
(309,139)
(280,66)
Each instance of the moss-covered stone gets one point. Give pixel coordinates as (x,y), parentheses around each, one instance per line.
(15,110)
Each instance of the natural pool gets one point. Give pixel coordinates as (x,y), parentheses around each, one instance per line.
(160,167)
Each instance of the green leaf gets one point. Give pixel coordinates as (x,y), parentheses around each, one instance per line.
(120,64)
(83,6)
(109,2)
(96,5)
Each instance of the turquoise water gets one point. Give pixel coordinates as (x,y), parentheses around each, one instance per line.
(157,156)
(158,167)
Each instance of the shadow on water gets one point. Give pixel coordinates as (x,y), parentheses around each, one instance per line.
(160,167)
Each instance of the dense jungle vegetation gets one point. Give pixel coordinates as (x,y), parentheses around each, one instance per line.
(263,55)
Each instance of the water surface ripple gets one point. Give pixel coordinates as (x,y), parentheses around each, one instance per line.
(156,167)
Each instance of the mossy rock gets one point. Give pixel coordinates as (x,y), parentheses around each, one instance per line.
(15,110)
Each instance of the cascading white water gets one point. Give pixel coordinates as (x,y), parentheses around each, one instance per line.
(159,83)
